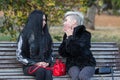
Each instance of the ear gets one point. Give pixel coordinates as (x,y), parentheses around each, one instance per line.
(74,21)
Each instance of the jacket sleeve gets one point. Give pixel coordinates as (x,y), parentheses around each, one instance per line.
(21,53)
(76,46)
(62,49)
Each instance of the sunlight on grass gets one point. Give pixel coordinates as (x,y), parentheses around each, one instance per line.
(106,34)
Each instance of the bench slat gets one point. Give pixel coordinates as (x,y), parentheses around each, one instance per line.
(106,54)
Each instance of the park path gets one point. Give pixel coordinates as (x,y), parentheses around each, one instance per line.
(107,20)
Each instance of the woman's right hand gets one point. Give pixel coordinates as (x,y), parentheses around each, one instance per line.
(68,31)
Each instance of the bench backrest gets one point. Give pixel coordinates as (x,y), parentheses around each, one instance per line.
(106,54)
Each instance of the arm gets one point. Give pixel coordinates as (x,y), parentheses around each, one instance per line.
(22,55)
(76,46)
(63,50)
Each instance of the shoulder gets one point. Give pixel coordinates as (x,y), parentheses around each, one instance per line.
(87,33)
(82,31)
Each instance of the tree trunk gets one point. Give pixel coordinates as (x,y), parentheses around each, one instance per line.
(90,17)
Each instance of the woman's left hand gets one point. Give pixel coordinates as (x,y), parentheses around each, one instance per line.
(43,64)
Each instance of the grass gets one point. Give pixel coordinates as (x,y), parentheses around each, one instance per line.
(56,33)
(4,37)
(100,34)
(106,34)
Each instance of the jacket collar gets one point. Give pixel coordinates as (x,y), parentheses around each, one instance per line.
(79,29)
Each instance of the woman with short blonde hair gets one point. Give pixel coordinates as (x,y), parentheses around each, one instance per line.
(75,47)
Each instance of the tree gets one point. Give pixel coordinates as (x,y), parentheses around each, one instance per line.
(90,15)
(16,12)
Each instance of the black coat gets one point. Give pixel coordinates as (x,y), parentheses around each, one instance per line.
(29,52)
(76,48)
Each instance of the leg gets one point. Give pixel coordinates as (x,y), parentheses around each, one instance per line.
(86,73)
(48,75)
(74,72)
(39,73)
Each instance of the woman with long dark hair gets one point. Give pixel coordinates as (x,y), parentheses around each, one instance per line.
(34,47)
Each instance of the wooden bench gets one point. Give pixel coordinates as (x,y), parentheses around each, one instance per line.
(106,54)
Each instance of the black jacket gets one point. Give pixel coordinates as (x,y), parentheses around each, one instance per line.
(29,54)
(76,48)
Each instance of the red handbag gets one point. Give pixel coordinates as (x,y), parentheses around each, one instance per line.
(59,68)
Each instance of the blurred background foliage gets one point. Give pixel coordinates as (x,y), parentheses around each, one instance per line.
(15,12)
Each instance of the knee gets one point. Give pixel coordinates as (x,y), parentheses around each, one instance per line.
(74,72)
(83,77)
(40,70)
(49,72)
(74,69)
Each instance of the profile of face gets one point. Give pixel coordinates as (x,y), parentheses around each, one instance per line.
(68,23)
(44,21)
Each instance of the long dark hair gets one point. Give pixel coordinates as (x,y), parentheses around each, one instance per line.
(34,25)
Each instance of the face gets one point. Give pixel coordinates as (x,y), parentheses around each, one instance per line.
(68,23)
(44,20)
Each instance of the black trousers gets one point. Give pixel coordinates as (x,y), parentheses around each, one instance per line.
(39,73)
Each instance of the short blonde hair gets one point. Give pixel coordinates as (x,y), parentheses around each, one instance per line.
(78,16)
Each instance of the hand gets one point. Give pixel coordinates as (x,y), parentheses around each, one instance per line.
(43,64)
(68,31)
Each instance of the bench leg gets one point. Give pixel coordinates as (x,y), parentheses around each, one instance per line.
(112,73)
(112,76)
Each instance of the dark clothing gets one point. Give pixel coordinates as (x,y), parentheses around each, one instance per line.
(41,73)
(76,48)
(35,45)
(29,54)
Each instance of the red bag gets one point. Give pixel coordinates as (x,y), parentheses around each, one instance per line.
(59,68)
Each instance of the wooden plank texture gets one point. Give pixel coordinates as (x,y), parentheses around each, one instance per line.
(106,54)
